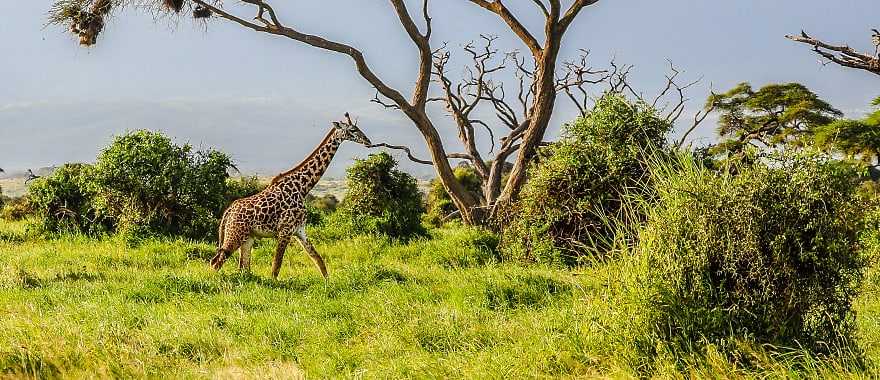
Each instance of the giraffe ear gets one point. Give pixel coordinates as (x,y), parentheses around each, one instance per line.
(337,125)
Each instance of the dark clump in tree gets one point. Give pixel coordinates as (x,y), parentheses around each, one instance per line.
(568,207)
(380,200)
(150,186)
(771,253)
(64,201)
(774,116)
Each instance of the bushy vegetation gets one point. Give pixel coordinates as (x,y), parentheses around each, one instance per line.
(440,207)
(142,184)
(149,185)
(567,209)
(771,254)
(16,209)
(242,187)
(380,200)
(65,201)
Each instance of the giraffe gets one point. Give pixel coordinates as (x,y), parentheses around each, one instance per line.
(279,211)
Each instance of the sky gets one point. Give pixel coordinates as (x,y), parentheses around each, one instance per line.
(267,100)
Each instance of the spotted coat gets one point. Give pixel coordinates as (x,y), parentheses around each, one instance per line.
(279,210)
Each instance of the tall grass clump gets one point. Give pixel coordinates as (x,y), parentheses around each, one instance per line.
(380,200)
(770,254)
(573,194)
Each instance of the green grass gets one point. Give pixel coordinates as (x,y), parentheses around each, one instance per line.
(439,308)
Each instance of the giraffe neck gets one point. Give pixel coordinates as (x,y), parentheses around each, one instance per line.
(306,175)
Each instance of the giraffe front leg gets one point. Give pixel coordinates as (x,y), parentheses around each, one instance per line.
(283,241)
(310,250)
(244,257)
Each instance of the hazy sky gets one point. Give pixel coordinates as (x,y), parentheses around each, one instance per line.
(267,100)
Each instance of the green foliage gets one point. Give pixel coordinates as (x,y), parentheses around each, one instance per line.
(855,138)
(319,208)
(16,209)
(242,187)
(771,254)
(380,200)
(64,201)
(149,185)
(775,115)
(566,208)
(440,206)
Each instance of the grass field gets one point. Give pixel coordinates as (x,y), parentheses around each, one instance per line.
(439,308)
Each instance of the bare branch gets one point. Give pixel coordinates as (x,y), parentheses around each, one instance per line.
(403,148)
(376,99)
(698,119)
(515,25)
(842,54)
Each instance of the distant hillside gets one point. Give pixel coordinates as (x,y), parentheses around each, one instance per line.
(13,184)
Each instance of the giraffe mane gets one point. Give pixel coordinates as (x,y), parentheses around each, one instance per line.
(307,159)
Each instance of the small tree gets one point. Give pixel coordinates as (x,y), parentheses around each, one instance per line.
(856,138)
(573,197)
(775,115)
(380,200)
(148,184)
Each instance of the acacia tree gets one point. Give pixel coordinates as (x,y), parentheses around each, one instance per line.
(539,81)
(843,54)
(855,138)
(775,115)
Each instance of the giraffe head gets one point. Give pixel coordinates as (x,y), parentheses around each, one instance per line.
(348,130)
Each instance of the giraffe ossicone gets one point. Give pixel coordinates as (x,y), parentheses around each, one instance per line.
(279,210)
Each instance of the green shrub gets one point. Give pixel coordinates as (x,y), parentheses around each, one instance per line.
(565,209)
(770,254)
(380,200)
(440,207)
(16,209)
(151,186)
(64,201)
(243,187)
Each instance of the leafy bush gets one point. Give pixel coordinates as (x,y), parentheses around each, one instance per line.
(565,209)
(151,186)
(771,253)
(64,201)
(15,209)
(440,206)
(380,200)
(242,187)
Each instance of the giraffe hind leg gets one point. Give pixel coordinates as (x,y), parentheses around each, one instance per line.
(226,248)
(244,258)
(283,241)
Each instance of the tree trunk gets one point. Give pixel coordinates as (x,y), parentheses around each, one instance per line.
(542,110)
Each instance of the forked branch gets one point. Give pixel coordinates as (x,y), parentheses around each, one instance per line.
(843,54)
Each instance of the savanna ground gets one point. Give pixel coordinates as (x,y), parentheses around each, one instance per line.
(438,308)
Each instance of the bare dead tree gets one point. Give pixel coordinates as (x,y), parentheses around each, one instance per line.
(537,99)
(843,54)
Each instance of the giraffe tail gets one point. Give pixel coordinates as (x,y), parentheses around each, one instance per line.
(221,231)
